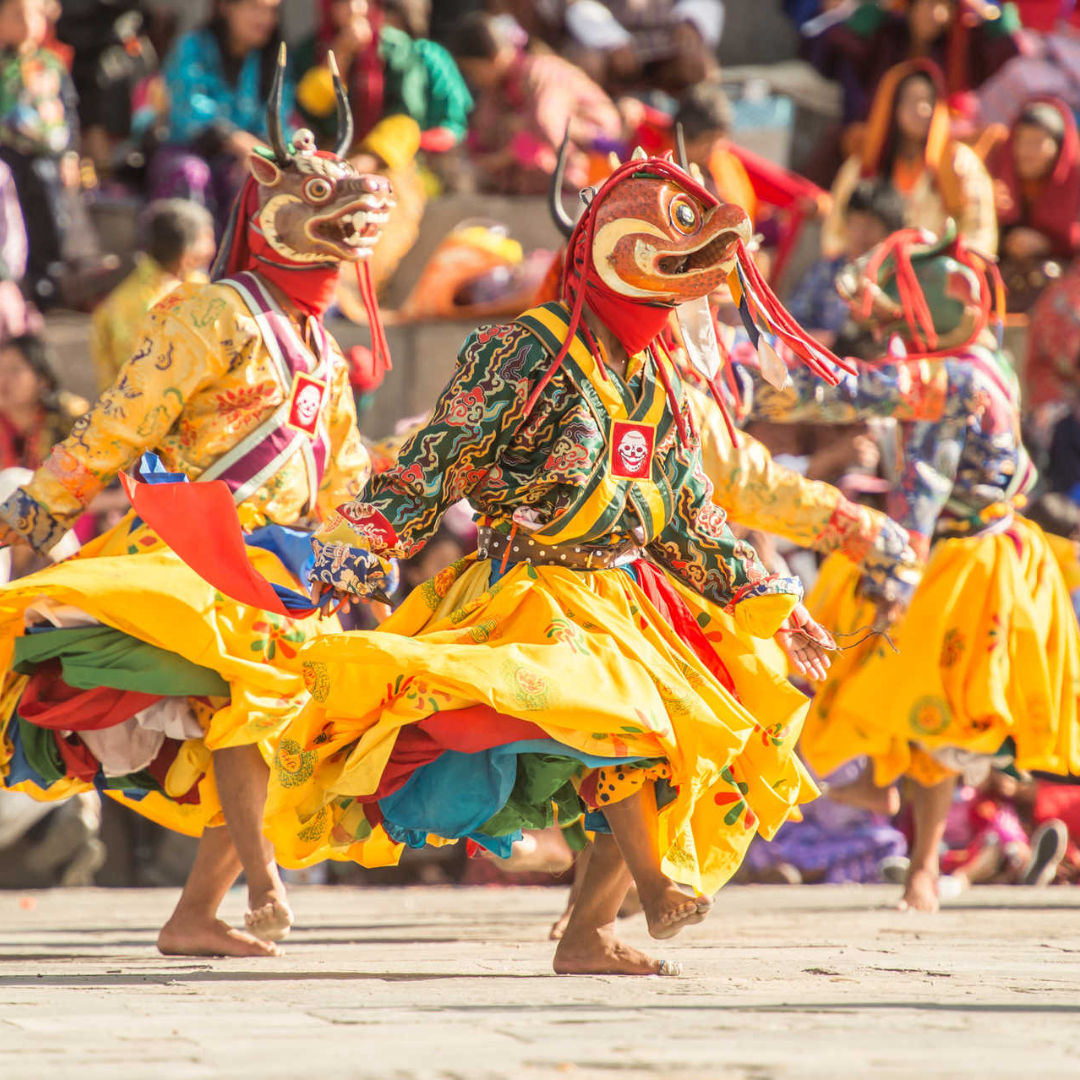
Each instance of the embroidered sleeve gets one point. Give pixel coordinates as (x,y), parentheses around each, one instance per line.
(904,390)
(698,547)
(755,490)
(761,494)
(102,349)
(350,465)
(472,422)
(168,367)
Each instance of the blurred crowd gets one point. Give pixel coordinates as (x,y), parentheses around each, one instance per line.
(961,110)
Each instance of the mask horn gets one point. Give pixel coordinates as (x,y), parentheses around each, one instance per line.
(273,112)
(680,144)
(555,204)
(344,112)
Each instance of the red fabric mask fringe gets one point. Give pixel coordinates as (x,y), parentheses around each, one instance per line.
(634,322)
(311,287)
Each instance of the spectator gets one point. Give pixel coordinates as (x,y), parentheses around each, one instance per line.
(16,317)
(1053,361)
(967,40)
(525,104)
(873,211)
(35,413)
(667,45)
(1037,191)
(1063,464)
(179,247)
(1047,66)
(218,78)
(389,68)
(39,133)
(908,144)
(111,55)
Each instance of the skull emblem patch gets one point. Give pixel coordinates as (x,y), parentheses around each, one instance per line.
(307,399)
(632,450)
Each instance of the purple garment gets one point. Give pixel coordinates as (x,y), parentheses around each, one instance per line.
(844,843)
(177,172)
(13,247)
(1050,66)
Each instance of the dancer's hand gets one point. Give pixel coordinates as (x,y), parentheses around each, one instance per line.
(341,601)
(378,606)
(806,644)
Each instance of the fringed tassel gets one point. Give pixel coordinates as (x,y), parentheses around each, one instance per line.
(916,313)
(665,377)
(780,323)
(718,397)
(575,318)
(380,347)
(729,372)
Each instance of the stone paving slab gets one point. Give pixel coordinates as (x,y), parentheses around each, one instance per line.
(781,983)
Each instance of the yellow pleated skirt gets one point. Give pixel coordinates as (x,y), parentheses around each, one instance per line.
(128,579)
(988,650)
(582,655)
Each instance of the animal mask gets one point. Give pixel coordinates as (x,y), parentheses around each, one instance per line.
(303,212)
(935,295)
(318,208)
(313,206)
(653,237)
(656,234)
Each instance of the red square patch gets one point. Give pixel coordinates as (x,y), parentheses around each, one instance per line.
(305,403)
(632,450)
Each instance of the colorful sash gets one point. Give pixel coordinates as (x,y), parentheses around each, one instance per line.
(637,434)
(297,424)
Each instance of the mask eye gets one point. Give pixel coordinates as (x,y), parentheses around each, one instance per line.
(317,189)
(684,215)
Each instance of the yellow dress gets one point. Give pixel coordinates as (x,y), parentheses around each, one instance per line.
(494,692)
(988,652)
(199,382)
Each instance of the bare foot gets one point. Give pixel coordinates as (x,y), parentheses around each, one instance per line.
(672,910)
(599,952)
(194,936)
(920,892)
(271,920)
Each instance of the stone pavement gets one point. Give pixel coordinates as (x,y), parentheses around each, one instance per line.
(455,982)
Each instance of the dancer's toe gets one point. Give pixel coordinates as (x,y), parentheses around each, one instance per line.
(185,935)
(674,911)
(599,952)
(269,922)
